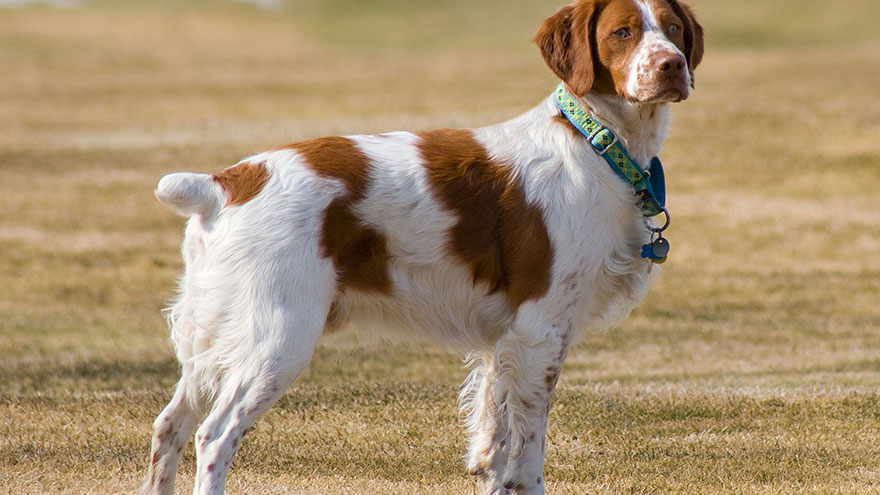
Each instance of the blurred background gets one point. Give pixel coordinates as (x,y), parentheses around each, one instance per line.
(753,366)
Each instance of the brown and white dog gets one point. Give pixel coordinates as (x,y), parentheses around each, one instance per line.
(502,242)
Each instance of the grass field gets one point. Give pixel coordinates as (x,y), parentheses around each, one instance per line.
(752,368)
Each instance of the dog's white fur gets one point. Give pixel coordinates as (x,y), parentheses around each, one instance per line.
(257,289)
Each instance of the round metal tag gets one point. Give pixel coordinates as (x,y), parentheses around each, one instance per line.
(660,247)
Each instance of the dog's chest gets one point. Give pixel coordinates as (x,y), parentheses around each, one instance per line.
(600,269)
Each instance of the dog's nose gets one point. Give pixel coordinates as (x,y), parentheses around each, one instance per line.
(671,64)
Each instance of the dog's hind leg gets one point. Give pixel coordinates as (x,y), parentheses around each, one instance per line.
(171,432)
(259,353)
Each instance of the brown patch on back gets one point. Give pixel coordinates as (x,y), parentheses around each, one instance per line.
(501,237)
(242,182)
(359,252)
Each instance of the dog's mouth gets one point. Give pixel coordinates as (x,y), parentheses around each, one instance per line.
(673,96)
(667,95)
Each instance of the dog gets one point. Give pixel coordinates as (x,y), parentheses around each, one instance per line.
(502,242)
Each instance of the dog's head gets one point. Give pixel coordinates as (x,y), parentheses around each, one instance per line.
(643,50)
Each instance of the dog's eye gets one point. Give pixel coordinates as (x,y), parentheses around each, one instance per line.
(623,33)
(673,28)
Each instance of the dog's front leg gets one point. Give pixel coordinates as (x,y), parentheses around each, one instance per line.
(507,445)
(480,409)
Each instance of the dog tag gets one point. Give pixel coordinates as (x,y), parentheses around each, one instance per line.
(660,247)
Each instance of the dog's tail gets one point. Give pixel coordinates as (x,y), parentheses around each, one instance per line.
(191,194)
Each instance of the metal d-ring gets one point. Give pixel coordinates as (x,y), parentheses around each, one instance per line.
(659,230)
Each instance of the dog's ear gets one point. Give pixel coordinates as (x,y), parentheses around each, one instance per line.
(565,43)
(693,33)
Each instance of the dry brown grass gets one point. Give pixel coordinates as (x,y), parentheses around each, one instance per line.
(752,368)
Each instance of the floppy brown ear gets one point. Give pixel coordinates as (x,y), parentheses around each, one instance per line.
(693,33)
(564,42)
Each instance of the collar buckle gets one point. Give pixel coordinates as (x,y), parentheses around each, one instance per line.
(599,137)
(650,188)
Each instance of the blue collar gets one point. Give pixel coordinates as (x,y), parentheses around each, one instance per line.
(650,187)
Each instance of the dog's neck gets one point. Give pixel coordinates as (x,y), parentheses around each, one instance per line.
(641,127)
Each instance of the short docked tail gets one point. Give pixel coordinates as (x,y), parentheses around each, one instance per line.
(191,194)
